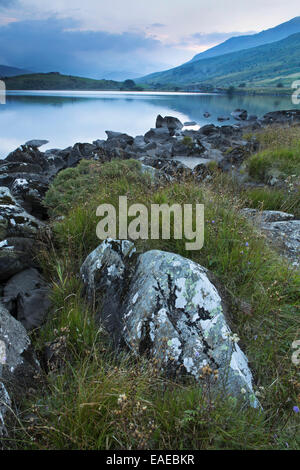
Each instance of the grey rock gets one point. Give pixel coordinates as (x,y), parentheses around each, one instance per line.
(20,167)
(30,193)
(240,114)
(18,363)
(168,309)
(26,296)
(119,136)
(282,230)
(281,117)
(14,220)
(268,216)
(16,254)
(98,143)
(36,143)
(161,134)
(169,122)
(170,167)
(154,174)
(190,123)
(104,276)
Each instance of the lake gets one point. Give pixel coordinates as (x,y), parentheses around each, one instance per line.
(65,118)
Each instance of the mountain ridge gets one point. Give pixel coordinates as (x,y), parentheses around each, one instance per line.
(278,59)
(7,71)
(239,43)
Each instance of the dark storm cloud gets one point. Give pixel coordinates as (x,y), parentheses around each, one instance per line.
(8,3)
(56,45)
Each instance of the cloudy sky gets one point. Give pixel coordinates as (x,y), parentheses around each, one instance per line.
(125,38)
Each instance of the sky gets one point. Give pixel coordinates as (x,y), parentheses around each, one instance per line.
(121,39)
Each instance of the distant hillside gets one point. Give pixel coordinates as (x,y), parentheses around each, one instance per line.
(6,71)
(260,66)
(56,81)
(246,42)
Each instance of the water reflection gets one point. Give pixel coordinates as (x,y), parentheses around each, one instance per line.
(65,118)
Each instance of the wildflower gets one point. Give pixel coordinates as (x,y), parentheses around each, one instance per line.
(235,338)
(213,221)
(246,244)
(122,398)
(296,409)
(197,354)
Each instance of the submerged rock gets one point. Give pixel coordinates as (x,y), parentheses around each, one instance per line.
(240,114)
(165,306)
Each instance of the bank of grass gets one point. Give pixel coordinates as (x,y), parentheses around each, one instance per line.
(99,400)
(278,155)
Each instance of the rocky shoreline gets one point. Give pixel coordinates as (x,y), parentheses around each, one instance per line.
(25,176)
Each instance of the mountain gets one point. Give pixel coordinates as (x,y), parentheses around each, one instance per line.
(6,71)
(56,81)
(240,43)
(266,65)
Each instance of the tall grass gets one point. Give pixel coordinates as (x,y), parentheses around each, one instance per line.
(99,399)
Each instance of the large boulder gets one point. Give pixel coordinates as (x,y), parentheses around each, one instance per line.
(167,307)
(104,275)
(18,363)
(26,296)
(169,122)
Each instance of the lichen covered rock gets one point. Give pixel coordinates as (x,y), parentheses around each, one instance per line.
(169,310)
(104,274)
(17,361)
(14,220)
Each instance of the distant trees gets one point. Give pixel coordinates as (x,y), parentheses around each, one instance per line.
(129,83)
(231,90)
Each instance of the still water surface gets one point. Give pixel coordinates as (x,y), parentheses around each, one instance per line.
(65,118)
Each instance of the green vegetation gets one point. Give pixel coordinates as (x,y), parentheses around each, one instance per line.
(259,67)
(278,158)
(96,399)
(56,81)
